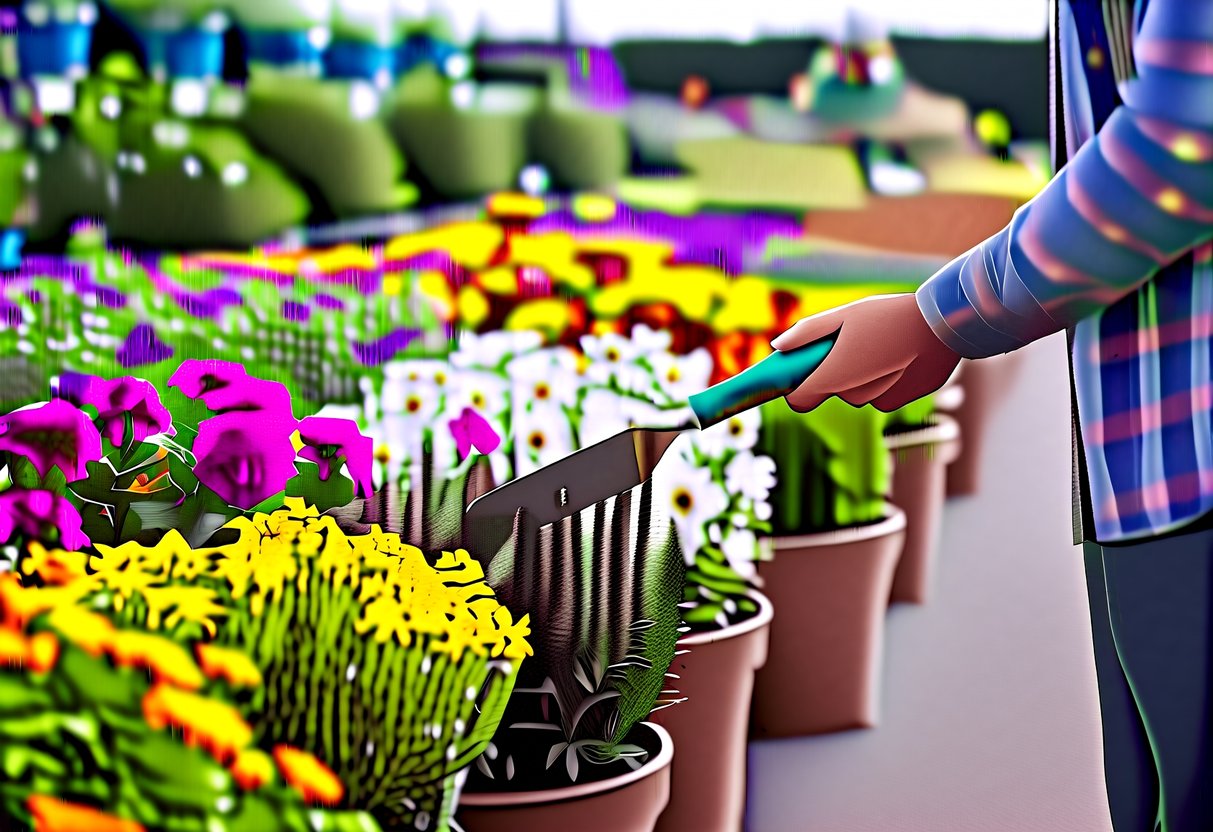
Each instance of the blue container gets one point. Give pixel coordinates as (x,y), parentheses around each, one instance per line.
(195,53)
(352,59)
(11,242)
(282,48)
(189,53)
(54,49)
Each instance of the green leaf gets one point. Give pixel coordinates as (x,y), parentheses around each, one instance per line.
(55,481)
(337,491)
(23,473)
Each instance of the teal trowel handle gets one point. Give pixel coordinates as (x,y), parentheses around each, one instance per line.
(775,376)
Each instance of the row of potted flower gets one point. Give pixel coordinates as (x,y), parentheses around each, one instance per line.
(717,593)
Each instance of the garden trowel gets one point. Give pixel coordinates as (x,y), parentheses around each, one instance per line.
(621,463)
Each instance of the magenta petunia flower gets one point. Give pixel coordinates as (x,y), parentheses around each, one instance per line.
(471,430)
(55,434)
(113,399)
(327,440)
(245,456)
(224,386)
(35,513)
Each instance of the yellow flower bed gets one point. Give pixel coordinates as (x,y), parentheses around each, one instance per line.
(403,597)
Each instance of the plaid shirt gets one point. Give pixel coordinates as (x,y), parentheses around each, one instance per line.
(1116,249)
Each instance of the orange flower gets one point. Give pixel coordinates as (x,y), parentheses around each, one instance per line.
(168,661)
(19,604)
(14,648)
(252,769)
(214,726)
(308,776)
(43,652)
(56,568)
(53,815)
(234,667)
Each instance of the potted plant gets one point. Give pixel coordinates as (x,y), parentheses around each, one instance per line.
(604,589)
(984,384)
(427,655)
(716,487)
(836,541)
(923,443)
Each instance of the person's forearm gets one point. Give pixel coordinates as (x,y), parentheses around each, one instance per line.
(1135,198)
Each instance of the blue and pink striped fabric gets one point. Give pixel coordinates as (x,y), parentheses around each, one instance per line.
(1117,250)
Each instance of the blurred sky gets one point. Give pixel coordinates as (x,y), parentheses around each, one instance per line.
(604,21)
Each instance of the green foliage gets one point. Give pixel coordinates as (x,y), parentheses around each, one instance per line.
(78,733)
(834,471)
(916,414)
(605,611)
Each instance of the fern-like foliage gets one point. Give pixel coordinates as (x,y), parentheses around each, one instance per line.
(603,588)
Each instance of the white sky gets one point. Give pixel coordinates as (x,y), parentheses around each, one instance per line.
(605,21)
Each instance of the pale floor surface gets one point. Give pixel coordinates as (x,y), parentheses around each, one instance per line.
(990,717)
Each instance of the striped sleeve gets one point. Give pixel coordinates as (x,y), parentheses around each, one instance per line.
(1136,197)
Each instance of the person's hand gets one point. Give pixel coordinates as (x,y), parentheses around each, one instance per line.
(885,354)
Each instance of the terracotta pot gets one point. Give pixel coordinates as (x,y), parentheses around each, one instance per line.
(709,729)
(985,383)
(630,802)
(920,465)
(830,592)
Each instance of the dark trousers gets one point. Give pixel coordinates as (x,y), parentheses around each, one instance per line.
(1152,622)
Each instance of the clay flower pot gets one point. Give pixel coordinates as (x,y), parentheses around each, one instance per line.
(920,464)
(830,591)
(984,383)
(631,801)
(709,728)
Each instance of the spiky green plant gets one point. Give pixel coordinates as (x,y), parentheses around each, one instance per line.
(834,470)
(603,587)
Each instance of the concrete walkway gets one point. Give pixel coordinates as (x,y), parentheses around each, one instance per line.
(990,719)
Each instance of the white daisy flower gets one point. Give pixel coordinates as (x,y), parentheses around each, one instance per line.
(740,549)
(545,377)
(604,413)
(738,433)
(491,350)
(691,498)
(750,475)
(541,437)
(419,400)
(613,357)
(649,341)
(485,392)
(681,377)
(429,370)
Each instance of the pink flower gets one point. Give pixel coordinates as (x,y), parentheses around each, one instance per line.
(115,398)
(224,386)
(244,454)
(328,441)
(35,513)
(245,457)
(471,430)
(53,435)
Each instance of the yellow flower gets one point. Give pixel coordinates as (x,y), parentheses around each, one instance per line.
(167,660)
(214,726)
(233,666)
(252,769)
(195,604)
(308,776)
(510,638)
(127,570)
(54,567)
(91,632)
